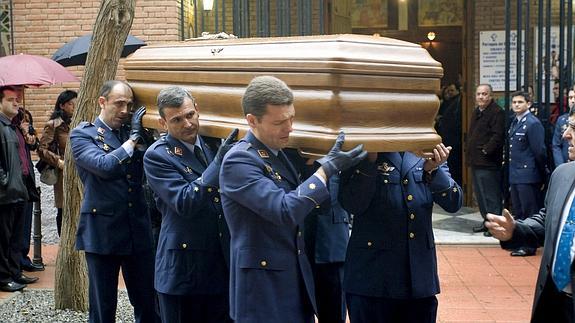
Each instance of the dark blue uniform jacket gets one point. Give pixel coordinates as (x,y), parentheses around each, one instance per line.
(527,151)
(265,206)
(391,252)
(193,247)
(560,146)
(113,219)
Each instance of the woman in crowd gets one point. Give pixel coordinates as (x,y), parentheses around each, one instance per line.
(53,143)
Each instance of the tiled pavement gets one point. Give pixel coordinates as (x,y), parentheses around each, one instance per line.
(480,282)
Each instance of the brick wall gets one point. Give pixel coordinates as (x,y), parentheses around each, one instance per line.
(41,27)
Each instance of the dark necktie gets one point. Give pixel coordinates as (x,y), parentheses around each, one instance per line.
(283,158)
(513,125)
(200,156)
(116,133)
(562,269)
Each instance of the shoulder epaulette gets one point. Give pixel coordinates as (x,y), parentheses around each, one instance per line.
(243,145)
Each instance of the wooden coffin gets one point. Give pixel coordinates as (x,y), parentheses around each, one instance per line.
(380,91)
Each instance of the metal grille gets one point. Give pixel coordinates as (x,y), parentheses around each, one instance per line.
(6,44)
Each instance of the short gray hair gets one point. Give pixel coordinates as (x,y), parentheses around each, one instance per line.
(264,90)
(488,86)
(172,97)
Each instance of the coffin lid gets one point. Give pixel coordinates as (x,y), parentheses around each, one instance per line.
(347,54)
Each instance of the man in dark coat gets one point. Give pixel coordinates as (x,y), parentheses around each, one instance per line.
(448,126)
(192,260)
(485,140)
(553,228)
(16,185)
(114,229)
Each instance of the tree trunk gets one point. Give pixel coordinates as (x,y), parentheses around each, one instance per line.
(110,32)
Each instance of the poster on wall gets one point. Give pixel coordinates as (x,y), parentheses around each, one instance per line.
(433,13)
(369,14)
(492,59)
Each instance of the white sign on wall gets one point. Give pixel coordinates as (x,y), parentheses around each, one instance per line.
(492,59)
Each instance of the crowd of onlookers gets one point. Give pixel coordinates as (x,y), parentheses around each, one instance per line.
(536,146)
(18,139)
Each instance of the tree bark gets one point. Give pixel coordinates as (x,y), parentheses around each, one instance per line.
(111,29)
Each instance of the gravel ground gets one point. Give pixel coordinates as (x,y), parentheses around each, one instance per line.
(37,306)
(49,230)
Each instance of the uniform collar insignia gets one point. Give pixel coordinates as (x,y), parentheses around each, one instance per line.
(178,151)
(269,168)
(106,147)
(385,167)
(263,153)
(100,138)
(101,130)
(188,170)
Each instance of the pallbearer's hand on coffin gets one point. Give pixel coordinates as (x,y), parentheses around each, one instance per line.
(226,146)
(136,132)
(337,160)
(437,157)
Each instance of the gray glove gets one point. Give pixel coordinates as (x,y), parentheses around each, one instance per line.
(225,147)
(337,160)
(3,178)
(136,129)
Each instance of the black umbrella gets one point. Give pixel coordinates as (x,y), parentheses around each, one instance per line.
(75,52)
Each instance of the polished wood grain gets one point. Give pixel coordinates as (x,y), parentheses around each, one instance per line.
(380,91)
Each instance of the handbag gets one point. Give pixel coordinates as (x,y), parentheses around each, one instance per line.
(49,175)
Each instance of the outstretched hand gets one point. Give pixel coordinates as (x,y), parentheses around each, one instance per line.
(501,227)
(337,160)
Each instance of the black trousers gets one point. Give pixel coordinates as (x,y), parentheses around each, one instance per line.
(525,200)
(487,186)
(26,234)
(364,309)
(553,306)
(11,232)
(194,308)
(138,273)
(59,220)
(329,297)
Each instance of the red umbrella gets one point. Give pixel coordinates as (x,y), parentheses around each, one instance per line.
(35,70)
